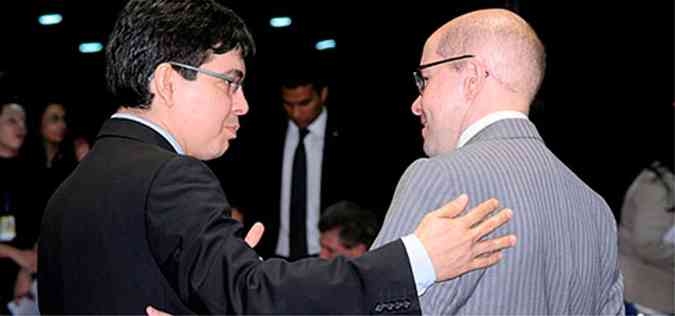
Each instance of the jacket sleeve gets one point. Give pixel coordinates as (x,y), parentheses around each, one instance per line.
(200,251)
(424,187)
(610,279)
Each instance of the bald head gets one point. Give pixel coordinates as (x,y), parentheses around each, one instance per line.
(503,40)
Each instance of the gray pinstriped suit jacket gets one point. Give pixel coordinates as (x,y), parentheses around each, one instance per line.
(565,261)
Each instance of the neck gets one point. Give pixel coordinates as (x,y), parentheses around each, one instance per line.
(147,115)
(491,104)
(51,149)
(156,118)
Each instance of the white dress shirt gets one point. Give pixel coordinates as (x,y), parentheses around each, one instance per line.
(314,142)
(486,121)
(169,138)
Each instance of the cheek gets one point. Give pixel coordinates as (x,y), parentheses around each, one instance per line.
(5,133)
(53,128)
(310,112)
(288,110)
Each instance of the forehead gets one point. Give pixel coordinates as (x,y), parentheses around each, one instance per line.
(430,51)
(54,107)
(229,61)
(331,235)
(13,110)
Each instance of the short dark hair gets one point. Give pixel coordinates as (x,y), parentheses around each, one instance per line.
(150,32)
(357,225)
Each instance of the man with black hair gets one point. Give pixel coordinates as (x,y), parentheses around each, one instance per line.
(307,163)
(143,221)
(346,230)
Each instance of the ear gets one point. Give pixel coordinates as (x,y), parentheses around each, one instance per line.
(162,83)
(324,94)
(475,79)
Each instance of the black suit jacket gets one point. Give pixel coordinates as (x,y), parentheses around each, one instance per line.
(137,224)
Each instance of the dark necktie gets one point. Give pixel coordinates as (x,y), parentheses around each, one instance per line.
(298,207)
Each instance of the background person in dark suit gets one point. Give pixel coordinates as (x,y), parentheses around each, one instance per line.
(291,224)
(143,221)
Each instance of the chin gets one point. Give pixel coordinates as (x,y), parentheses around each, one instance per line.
(429,150)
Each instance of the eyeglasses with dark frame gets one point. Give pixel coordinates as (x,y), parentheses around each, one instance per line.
(233,82)
(420,80)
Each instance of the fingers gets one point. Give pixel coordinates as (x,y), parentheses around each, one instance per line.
(492,223)
(453,208)
(480,212)
(254,234)
(493,245)
(153,312)
(485,261)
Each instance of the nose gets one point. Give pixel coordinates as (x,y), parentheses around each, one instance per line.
(296,112)
(241,104)
(417,106)
(22,126)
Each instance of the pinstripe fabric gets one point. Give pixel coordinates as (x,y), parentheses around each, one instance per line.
(566,258)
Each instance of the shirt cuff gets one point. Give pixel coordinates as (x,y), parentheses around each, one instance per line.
(420,263)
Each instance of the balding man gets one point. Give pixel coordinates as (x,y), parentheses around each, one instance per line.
(477,78)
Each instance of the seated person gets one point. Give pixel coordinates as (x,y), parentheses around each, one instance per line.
(346,230)
(646,241)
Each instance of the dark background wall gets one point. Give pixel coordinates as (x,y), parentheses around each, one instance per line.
(606,105)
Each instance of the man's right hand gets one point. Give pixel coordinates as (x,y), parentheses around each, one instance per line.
(454,243)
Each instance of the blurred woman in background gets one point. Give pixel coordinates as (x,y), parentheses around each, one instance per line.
(51,151)
(19,218)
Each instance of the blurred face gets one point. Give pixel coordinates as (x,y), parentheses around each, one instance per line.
(303,104)
(12,129)
(332,246)
(441,106)
(82,148)
(207,109)
(53,127)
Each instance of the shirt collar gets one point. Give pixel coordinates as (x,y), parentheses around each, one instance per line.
(486,121)
(169,138)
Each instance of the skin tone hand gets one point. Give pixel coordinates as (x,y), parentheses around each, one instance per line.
(27,259)
(454,242)
(23,284)
(153,312)
(254,234)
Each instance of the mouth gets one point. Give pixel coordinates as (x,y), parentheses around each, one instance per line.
(233,130)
